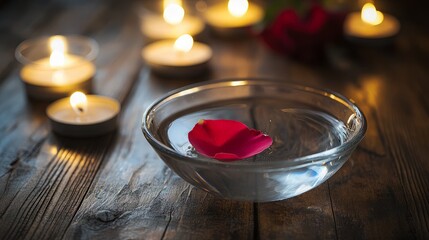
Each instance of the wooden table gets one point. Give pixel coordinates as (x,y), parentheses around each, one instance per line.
(116,187)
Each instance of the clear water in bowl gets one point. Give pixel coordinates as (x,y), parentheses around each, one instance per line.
(297,130)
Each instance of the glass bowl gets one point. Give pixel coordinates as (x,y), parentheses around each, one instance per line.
(314,132)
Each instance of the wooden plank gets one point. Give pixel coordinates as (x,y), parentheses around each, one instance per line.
(116,186)
(406,132)
(366,195)
(75,19)
(41,200)
(46,203)
(381,206)
(23,132)
(367,199)
(403,114)
(307,216)
(120,54)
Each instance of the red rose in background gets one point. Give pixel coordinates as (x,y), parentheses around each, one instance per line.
(304,38)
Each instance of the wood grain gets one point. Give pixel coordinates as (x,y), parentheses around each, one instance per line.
(50,195)
(403,133)
(116,187)
(48,202)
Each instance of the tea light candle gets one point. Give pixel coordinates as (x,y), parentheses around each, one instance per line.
(55,74)
(371,24)
(172,24)
(182,57)
(83,115)
(234,15)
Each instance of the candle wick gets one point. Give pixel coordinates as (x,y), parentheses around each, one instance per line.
(80,109)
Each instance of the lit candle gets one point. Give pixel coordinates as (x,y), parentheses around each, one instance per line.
(51,72)
(79,103)
(173,14)
(371,24)
(182,57)
(236,14)
(83,115)
(173,23)
(370,15)
(238,8)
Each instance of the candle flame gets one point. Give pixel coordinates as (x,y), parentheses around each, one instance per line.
(79,102)
(57,43)
(174,13)
(370,14)
(238,8)
(184,43)
(58,47)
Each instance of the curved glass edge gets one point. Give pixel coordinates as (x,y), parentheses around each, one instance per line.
(91,56)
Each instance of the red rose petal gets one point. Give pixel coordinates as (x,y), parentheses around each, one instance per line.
(227,140)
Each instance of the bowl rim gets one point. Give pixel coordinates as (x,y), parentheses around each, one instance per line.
(90,56)
(289,162)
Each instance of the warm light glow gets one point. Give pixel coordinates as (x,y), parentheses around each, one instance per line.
(57,59)
(184,43)
(58,47)
(58,77)
(53,150)
(238,83)
(79,102)
(57,43)
(173,13)
(370,14)
(238,8)
(168,2)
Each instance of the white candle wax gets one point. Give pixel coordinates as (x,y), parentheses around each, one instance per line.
(355,27)
(165,59)
(154,27)
(219,16)
(100,117)
(44,81)
(75,70)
